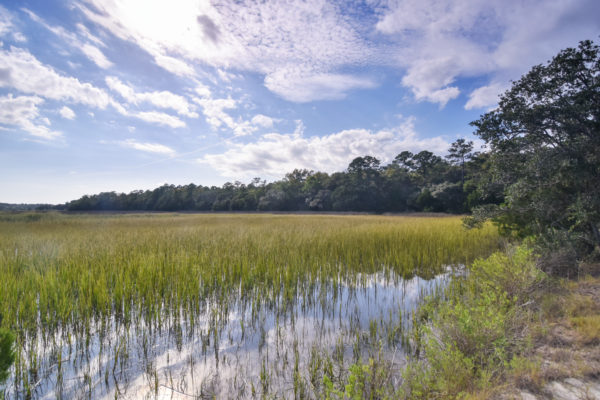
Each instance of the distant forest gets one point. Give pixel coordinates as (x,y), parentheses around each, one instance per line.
(411,182)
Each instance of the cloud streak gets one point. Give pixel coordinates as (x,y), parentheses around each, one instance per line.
(155,148)
(92,52)
(162,99)
(159,118)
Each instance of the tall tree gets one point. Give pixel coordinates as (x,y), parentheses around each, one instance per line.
(544,140)
(459,152)
(428,167)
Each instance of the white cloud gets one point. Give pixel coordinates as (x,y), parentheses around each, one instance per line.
(7,28)
(6,24)
(225,76)
(262,121)
(218,118)
(25,73)
(244,128)
(125,91)
(162,99)
(89,36)
(202,90)
(67,113)
(174,65)
(22,112)
(19,37)
(274,154)
(439,42)
(94,54)
(485,96)
(156,148)
(302,48)
(301,87)
(159,118)
(91,52)
(270,38)
(214,111)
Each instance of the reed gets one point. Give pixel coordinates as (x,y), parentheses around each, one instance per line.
(62,274)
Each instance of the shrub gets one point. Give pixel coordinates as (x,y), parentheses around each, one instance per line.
(473,337)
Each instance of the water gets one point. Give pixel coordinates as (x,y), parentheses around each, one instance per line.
(243,352)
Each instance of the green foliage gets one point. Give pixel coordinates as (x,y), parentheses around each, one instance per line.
(7,353)
(460,152)
(545,150)
(366,186)
(367,381)
(474,335)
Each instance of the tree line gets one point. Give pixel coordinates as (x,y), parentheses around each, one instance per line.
(540,176)
(411,182)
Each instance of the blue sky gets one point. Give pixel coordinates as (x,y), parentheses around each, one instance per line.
(102,95)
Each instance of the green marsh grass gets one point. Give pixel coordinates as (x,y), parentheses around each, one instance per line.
(66,280)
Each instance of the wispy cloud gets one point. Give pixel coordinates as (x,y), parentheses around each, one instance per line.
(159,118)
(6,24)
(8,28)
(94,54)
(214,111)
(89,50)
(155,148)
(306,86)
(22,112)
(162,99)
(277,39)
(25,73)
(85,32)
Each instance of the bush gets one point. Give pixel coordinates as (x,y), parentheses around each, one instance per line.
(474,336)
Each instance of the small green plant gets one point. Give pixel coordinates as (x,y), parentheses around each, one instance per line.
(7,353)
(365,381)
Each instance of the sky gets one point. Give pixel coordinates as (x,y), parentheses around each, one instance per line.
(122,95)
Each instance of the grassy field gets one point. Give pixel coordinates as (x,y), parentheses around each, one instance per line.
(74,278)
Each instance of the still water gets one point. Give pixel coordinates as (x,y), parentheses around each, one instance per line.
(244,351)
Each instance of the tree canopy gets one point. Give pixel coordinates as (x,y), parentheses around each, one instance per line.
(411,182)
(544,141)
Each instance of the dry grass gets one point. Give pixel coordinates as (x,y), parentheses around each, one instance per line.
(565,331)
(568,344)
(587,329)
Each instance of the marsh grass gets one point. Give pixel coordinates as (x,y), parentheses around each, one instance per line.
(72,280)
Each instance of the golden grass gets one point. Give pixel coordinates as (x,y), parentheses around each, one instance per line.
(587,328)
